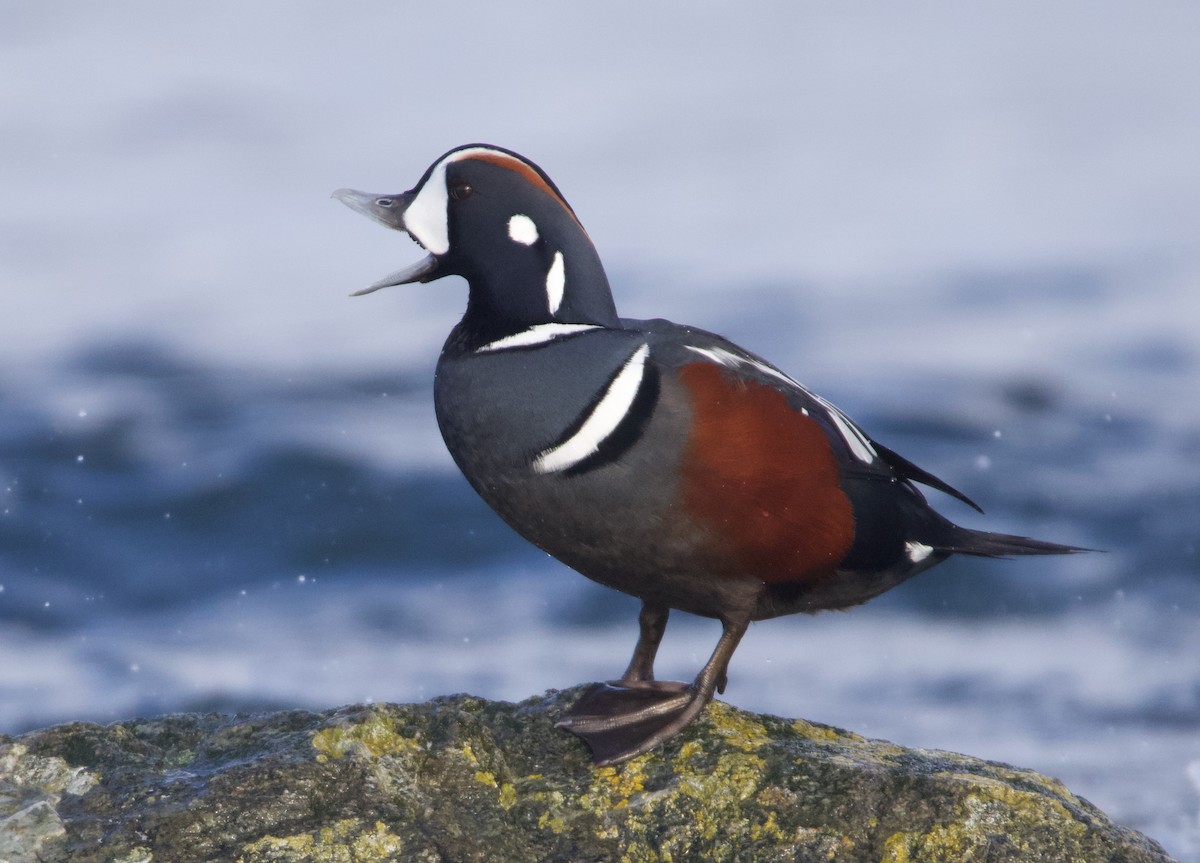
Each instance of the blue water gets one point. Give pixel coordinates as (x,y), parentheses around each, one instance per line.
(221,485)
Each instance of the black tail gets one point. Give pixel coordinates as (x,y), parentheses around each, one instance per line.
(981,543)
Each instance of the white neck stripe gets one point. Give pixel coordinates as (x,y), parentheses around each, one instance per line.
(556,282)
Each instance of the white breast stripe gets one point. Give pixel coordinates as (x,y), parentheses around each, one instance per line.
(602,421)
(556,280)
(536,335)
(858,442)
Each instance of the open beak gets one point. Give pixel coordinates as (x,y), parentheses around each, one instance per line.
(388,210)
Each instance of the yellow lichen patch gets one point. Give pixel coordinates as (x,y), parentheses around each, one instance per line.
(614,787)
(823,733)
(940,844)
(736,727)
(345,841)
(1047,783)
(375,737)
(996,807)
(135,855)
(552,817)
(554,823)
(483,777)
(508,796)
(992,810)
(768,830)
(719,793)
(469,752)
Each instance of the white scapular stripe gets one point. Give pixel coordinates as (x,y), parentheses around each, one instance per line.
(855,439)
(859,445)
(556,281)
(539,334)
(602,421)
(521,229)
(917,551)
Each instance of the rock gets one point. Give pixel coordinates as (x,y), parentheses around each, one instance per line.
(465,779)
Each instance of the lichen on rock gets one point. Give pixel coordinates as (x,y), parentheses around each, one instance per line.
(464,779)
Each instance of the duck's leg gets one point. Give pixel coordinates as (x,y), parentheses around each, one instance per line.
(619,721)
(653,623)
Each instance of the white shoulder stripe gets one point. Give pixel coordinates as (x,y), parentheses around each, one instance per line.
(539,334)
(602,421)
(858,442)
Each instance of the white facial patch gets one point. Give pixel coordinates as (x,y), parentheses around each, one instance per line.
(426,217)
(521,229)
(602,421)
(556,281)
(858,442)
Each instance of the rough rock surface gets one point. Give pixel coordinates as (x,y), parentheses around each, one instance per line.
(464,779)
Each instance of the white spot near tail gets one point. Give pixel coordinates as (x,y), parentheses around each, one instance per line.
(602,421)
(556,281)
(917,551)
(521,229)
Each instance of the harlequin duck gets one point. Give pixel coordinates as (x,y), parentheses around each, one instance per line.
(655,458)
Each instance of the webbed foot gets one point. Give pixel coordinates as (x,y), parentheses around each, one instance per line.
(621,719)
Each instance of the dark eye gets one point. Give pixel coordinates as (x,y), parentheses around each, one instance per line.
(461,191)
(385,202)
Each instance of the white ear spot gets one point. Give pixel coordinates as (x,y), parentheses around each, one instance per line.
(556,280)
(521,229)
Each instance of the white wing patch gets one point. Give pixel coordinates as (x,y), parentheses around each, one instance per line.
(602,421)
(859,445)
(556,282)
(539,334)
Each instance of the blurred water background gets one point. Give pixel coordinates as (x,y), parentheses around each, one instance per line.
(975,228)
